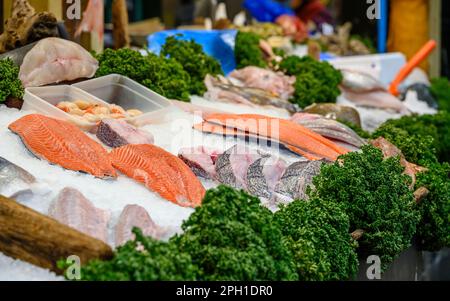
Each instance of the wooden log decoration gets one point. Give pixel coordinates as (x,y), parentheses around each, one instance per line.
(121,34)
(35,238)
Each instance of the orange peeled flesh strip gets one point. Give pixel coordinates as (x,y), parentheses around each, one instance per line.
(161,172)
(274,128)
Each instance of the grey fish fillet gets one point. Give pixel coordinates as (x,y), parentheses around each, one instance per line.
(73,209)
(135,216)
(264,174)
(297,178)
(14,180)
(232,165)
(117,133)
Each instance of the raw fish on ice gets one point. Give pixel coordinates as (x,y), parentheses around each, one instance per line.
(117,133)
(201,160)
(60,142)
(54,60)
(264,174)
(14,180)
(135,216)
(73,209)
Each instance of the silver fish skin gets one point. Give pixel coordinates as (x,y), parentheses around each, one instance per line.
(264,174)
(329,128)
(360,82)
(223,90)
(14,180)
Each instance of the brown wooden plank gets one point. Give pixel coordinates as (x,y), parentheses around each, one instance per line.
(35,238)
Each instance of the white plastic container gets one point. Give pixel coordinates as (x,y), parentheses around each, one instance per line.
(383,67)
(122,91)
(44,100)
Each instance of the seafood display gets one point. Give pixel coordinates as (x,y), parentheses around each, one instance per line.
(201,160)
(223,90)
(62,143)
(117,133)
(359,82)
(161,172)
(135,216)
(390,150)
(55,60)
(264,174)
(295,180)
(329,128)
(277,83)
(231,166)
(73,209)
(294,136)
(335,111)
(95,112)
(14,180)
(376,99)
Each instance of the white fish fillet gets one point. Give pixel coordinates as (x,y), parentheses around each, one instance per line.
(54,60)
(74,210)
(135,216)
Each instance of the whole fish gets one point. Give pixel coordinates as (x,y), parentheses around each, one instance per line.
(377,99)
(14,180)
(221,89)
(360,82)
(335,111)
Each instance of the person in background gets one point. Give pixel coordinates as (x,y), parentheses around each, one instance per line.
(314,11)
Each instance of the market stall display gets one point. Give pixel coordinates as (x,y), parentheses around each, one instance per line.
(269,172)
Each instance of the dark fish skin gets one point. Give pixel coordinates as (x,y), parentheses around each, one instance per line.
(257,182)
(232,165)
(297,178)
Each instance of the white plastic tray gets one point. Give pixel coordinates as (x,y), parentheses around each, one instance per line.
(45,99)
(122,91)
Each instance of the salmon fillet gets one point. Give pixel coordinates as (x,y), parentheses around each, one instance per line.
(59,142)
(295,137)
(211,128)
(159,171)
(285,130)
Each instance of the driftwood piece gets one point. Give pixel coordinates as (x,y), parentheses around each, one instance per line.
(121,34)
(26,26)
(420,194)
(30,236)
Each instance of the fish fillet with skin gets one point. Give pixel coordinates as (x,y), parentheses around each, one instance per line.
(377,99)
(264,174)
(201,160)
(135,216)
(55,60)
(160,171)
(116,133)
(232,166)
(73,209)
(62,143)
(285,131)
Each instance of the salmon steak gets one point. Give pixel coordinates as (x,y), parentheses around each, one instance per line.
(62,143)
(161,172)
(294,136)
